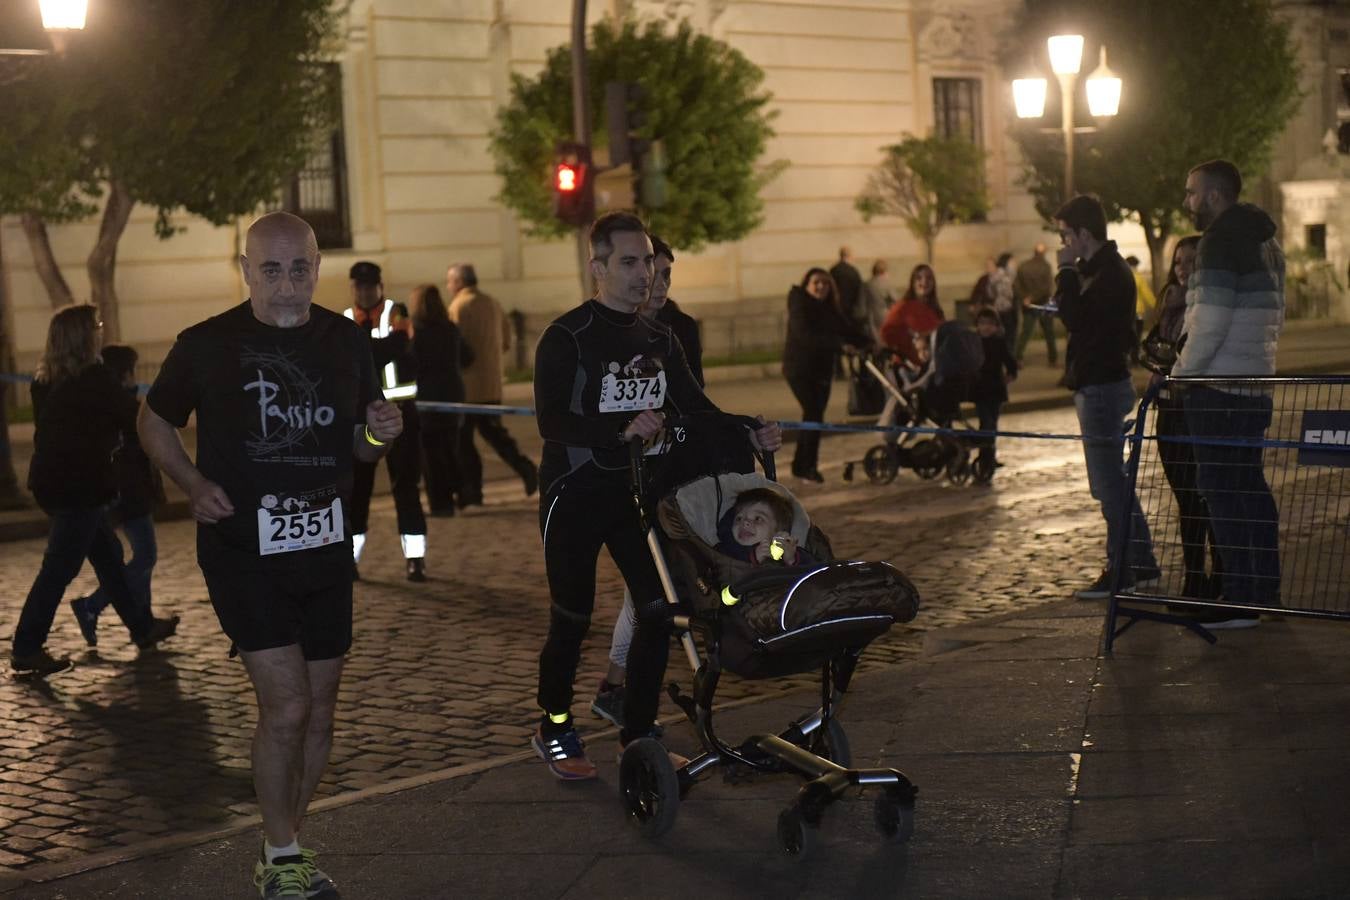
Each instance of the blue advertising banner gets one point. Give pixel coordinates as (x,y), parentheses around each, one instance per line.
(1325,428)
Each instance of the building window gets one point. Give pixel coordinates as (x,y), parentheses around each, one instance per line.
(1315,238)
(956,109)
(318,192)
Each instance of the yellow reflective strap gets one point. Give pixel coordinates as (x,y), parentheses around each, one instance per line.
(776,550)
(728,598)
(558,718)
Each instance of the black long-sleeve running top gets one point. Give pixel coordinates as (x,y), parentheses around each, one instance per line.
(595,369)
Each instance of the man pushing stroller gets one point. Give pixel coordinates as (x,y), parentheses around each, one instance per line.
(603,376)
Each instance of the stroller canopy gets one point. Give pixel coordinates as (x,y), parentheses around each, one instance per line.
(704,501)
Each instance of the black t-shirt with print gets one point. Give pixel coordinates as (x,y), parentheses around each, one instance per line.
(276,409)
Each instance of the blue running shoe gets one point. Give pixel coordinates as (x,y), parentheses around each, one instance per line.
(565,754)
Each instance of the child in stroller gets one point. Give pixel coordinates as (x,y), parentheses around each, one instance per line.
(764,621)
(759,530)
(926,388)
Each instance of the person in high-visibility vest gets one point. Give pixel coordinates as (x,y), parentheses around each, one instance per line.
(390,331)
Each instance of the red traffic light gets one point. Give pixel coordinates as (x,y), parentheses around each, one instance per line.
(566,178)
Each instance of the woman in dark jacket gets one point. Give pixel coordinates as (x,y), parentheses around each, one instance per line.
(816,332)
(441,355)
(81,411)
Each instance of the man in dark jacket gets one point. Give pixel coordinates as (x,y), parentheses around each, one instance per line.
(849,281)
(1032,288)
(1095,296)
(668,313)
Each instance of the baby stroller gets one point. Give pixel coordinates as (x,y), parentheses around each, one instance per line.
(763,622)
(930,398)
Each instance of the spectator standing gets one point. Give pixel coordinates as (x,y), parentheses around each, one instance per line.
(878,297)
(486,331)
(848,282)
(441,355)
(998,370)
(81,411)
(1001,291)
(286,398)
(1032,287)
(1178,454)
(140,488)
(1234,314)
(1095,296)
(817,331)
(918,314)
(1145,301)
(389,333)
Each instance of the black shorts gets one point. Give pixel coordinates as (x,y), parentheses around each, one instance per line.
(265,610)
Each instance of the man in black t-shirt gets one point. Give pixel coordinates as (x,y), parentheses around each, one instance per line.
(602,376)
(286,398)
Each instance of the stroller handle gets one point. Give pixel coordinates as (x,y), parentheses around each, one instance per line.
(637,448)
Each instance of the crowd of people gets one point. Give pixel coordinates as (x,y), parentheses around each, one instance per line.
(285,464)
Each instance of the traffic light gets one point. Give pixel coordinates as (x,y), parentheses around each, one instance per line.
(573,188)
(626,116)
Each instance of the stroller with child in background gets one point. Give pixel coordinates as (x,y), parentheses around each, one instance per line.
(759,621)
(925,390)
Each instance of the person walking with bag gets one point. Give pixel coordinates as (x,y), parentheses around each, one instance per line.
(441,354)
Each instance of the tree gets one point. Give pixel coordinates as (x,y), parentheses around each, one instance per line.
(927,183)
(203,105)
(1201,81)
(702,100)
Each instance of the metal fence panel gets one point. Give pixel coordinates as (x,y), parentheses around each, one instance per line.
(1243,484)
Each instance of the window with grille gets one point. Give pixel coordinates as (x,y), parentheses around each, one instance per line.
(956,109)
(318,192)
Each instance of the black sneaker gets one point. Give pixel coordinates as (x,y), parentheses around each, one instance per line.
(38,663)
(87,619)
(417,570)
(1144,576)
(1101,588)
(531,478)
(608,703)
(159,630)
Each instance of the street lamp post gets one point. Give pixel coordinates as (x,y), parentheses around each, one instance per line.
(1103,91)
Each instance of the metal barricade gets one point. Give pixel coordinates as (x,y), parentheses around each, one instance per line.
(1243,486)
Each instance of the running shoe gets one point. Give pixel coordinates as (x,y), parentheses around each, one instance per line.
(319,882)
(608,703)
(285,876)
(565,754)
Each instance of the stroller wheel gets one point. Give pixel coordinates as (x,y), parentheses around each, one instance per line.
(795,837)
(831,742)
(880,465)
(649,786)
(927,458)
(894,815)
(959,469)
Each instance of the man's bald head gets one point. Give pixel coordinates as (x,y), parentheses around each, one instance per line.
(281,267)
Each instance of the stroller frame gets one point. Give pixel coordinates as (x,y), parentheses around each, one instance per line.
(813,747)
(928,457)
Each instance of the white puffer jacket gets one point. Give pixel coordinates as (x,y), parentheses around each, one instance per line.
(1235,299)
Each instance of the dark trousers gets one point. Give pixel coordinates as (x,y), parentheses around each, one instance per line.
(578,516)
(140,532)
(471,465)
(1030,319)
(440,451)
(1178,462)
(988,410)
(1008,320)
(77,535)
(1232,480)
(404,462)
(813,394)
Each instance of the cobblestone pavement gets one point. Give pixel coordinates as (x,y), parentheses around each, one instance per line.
(122,750)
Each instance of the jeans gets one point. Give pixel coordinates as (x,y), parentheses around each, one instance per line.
(1242,510)
(140,533)
(1030,318)
(77,535)
(1102,410)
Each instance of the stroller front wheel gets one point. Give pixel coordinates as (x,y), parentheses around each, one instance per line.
(649,786)
(795,836)
(880,464)
(894,815)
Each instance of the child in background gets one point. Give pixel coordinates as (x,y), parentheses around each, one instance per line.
(761,522)
(991,388)
(140,489)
